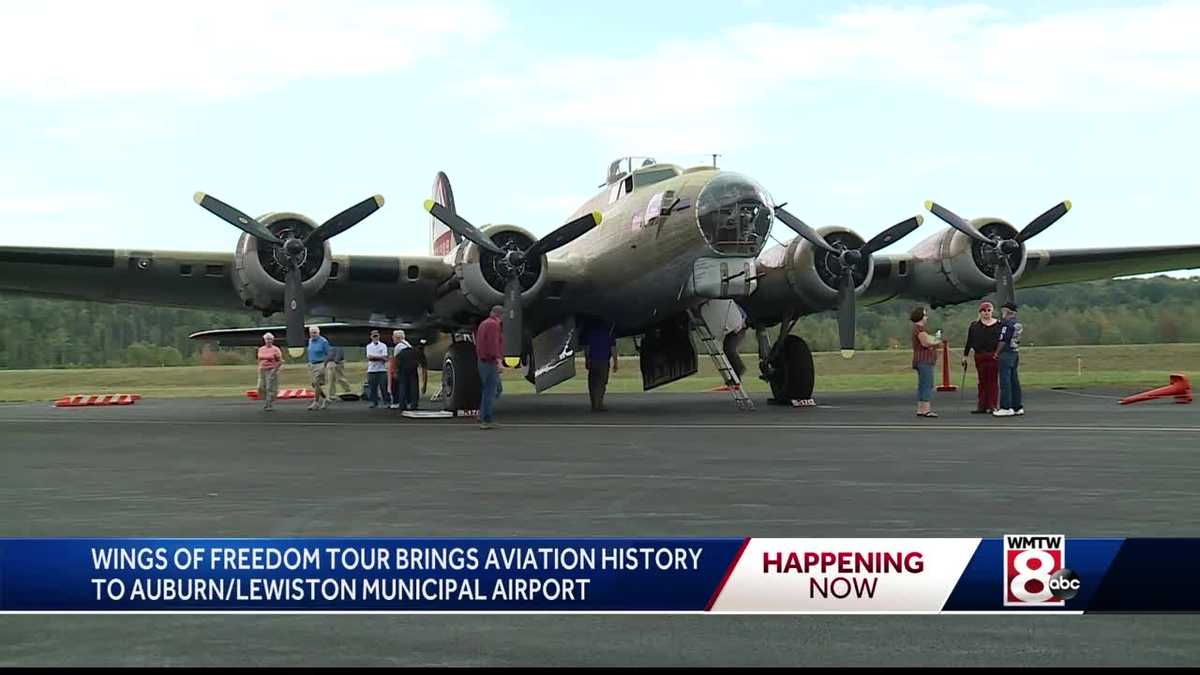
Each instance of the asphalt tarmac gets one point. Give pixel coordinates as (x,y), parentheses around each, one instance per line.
(860,465)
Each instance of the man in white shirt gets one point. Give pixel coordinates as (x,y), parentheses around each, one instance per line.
(377,362)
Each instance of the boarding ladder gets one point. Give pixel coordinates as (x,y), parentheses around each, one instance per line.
(732,381)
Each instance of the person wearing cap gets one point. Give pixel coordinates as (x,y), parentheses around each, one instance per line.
(377,365)
(270,358)
(489,349)
(1008,356)
(924,356)
(982,337)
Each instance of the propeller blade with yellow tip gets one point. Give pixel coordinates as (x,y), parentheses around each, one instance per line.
(565,234)
(512,326)
(954,220)
(1037,225)
(235,218)
(346,219)
(458,224)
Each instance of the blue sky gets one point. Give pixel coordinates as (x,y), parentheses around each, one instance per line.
(115,113)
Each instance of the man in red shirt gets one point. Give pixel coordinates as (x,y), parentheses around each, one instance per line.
(489,349)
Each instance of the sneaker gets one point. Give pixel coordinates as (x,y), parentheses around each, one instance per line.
(486,425)
(1020,411)
(324,405)
(980,411)
(1003,412)
(268,407)
(374,405)
(313,405)
(394,406)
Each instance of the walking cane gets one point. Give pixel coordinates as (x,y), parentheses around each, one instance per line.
(964,382)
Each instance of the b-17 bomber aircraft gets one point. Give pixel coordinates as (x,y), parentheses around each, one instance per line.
(662,252)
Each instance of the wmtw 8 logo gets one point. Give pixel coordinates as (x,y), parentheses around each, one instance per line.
(1035,571)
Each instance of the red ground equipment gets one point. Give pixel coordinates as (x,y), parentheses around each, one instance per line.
(1180,388)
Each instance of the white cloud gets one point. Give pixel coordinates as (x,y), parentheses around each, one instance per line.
(219,48)
(689,93)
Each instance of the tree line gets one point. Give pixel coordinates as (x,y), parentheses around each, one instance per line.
(39,333)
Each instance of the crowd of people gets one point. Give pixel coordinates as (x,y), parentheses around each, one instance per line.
(399,376)
(996,345)
(396,377)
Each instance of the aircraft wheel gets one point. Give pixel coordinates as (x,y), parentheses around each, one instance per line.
(795,373)
(460,377)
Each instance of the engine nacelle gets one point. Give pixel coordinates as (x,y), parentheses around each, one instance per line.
(952,267)
(480,273)
(260,269)
(812,272)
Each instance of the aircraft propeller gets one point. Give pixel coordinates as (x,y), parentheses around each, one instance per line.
(513,261)
(293,249)
(847,259)
(999,246)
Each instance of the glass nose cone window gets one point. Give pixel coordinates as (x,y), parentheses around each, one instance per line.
(735,214)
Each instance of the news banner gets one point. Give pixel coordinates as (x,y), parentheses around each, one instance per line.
(1013,573)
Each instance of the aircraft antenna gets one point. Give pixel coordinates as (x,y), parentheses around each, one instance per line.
(715,156)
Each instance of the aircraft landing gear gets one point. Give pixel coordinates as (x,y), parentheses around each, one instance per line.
(788,367)
(461,388)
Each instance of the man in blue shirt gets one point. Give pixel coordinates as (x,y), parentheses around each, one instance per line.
(1008,356)
(318,354)
(597,338)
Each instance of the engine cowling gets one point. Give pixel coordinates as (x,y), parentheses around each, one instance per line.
(952,267)
(480,274)
(811,272)
(260,269)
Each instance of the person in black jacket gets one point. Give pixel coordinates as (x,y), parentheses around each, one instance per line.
(982,337)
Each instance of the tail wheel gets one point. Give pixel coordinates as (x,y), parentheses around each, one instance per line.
(460,377)
(795,372)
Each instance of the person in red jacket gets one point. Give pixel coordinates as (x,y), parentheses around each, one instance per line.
(982,337)
(489,349)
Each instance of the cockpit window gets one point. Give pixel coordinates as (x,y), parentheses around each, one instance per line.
(735,214)
(652,177)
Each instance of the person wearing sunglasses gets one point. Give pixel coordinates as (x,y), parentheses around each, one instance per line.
(982,337)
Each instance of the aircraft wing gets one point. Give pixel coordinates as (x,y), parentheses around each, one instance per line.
(362,285)
(1046,267)
(337,333)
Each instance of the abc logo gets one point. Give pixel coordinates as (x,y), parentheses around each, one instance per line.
(1064,584)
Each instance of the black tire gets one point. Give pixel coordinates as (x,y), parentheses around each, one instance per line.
(460,378)
(796,374)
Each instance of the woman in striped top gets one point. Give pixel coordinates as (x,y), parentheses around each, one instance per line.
(924,356)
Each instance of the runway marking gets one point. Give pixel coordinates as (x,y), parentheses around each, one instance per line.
(1008,426)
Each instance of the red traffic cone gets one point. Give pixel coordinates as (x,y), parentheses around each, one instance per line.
(1180,388)
(946,384)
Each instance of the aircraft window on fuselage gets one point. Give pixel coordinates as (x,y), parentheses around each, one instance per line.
(652,177)
(615,193)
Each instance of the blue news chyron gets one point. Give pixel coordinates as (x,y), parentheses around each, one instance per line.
(667,574)
(362,574)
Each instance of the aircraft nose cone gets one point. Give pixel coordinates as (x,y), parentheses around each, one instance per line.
(735,214)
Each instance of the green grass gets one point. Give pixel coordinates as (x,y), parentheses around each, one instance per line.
(1127,366)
